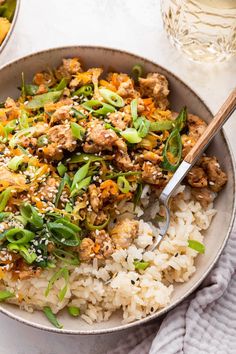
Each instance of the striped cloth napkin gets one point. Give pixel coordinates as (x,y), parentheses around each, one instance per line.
(204,323)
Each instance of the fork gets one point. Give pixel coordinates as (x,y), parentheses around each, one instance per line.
(188,162)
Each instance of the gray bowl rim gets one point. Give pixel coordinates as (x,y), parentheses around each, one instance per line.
(196,285)
(6,39)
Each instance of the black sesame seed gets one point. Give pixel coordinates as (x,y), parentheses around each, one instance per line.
(152,309)
(176,255)
(132,282)
(27,181)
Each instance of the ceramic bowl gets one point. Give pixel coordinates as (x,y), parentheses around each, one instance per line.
(181,94)
(6,39)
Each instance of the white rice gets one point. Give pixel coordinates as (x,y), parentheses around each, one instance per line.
(100,290)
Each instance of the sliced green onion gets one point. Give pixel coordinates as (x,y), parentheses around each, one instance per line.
(5,294)
(77,114)
(24,151)
(161,125)
(66,222)
(9,9)
(73,311)
(15,162)
(86,90)
(66,256)
(19,236)
(111,97)
(64,181)
(22,81)
(115,175)
(4,215)
(61,273)
(92,227)
(61,169)
(143,128)
(80,175)
(51,317)
(31,215)
(123,184)
(42,140)
(138,194)
(173,146)
(77,131)
(109,126)
(196,246)
(131,135)
(137,72)
(98,108)
(23,120)
(24,252)
(134,109)
(9,127)
(4,197)
(141,265)
(31,90)
(27,132)
(69,207)
(85,158)
(83,185)
(39,101)
(180,121)
(61,85)
(63,234)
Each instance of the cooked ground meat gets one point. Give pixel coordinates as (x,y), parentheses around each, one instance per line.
(60,138)
(62,135)
(196,126)
(151,156)
(95,197)
(99,138)
(96,218)
(68,68)
(124,233)
(104,246)
(118,120)
(203,195)
(51,107)
(44,78)
(48,189)
(86,249)
(123,162)
(216,177)
(156,86)
(61,114)
(126,89)
(10,103)
(28,142)
(151,173)
(197,177)
(10,177)
(187,144)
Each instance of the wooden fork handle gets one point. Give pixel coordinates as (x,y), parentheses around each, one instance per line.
(213,128)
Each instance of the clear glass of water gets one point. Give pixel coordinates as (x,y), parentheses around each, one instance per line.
(205,30)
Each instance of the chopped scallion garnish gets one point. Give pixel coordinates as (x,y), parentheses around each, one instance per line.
(51,317)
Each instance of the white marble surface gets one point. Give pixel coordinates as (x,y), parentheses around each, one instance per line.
(132,25)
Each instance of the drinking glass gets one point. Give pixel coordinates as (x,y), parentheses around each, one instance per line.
(205,30)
